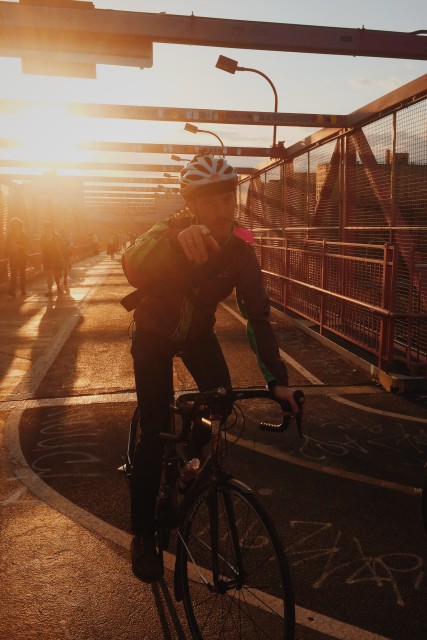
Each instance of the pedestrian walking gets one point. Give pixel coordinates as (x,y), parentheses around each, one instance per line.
(66,242)
(52,257)
(112,244)
(17,245)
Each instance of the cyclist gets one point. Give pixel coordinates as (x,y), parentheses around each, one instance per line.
(182,268)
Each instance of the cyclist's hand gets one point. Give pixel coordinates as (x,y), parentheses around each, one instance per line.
(196,242)
(284,393)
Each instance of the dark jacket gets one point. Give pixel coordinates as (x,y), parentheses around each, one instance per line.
(179,300)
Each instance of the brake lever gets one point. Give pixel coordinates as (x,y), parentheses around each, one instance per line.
(299,398)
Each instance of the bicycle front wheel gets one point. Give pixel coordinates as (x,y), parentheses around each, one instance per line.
(234,576)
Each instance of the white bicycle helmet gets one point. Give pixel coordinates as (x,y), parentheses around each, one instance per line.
(205,175)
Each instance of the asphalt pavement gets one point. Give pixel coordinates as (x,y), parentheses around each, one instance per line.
(345,497)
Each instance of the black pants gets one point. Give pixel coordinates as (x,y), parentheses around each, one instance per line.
(153,367)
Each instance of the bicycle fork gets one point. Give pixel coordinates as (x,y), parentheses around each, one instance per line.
(221,584)
(221,511)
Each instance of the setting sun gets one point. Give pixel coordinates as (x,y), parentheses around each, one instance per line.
(47,132)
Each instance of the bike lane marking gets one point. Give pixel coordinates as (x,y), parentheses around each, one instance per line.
(381,412)
(264,449)
(330,392)
(305,617)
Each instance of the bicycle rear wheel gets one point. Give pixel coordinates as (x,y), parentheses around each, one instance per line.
(253,597)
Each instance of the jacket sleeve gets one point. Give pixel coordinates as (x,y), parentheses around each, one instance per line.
(254,305)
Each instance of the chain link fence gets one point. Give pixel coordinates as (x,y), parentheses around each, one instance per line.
(341,234)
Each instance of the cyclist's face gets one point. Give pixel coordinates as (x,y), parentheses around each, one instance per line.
(217,213)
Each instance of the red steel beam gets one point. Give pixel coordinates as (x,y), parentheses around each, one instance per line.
(177,149)
(109,199)
(406,94)
(95,189)
(43,178)
(187,114)
(105,166)
(122,35)
(142,147)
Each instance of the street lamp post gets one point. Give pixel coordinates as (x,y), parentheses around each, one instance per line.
(231,66)
(193,129)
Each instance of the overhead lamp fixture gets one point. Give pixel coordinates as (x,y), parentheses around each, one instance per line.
(179,159)
(231,66)
(228,64)
(193,129)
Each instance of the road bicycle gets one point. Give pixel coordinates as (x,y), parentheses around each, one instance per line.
(231,572)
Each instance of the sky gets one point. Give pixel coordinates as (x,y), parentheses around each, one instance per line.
(185,76)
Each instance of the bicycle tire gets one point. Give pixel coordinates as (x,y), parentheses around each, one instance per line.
(262,606)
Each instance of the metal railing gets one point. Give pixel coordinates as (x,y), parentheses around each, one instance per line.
(343,292)
(341,229)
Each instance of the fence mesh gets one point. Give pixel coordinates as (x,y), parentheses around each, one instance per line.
(349,217)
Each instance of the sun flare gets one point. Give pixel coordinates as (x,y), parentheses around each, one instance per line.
(48,133)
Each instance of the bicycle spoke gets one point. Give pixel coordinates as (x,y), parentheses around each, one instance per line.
(251,597)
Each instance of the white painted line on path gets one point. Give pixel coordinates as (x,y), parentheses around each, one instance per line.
(287,358)
(37,403)
(32,379)
(389,414)
(258,447)
(312,378)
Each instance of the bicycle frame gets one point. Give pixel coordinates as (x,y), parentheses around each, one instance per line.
(214,473)
(214,516)
(171,439)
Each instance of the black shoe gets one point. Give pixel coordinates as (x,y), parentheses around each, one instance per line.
(146,563)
